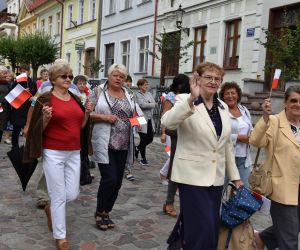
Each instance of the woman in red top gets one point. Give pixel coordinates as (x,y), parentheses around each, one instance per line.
(63,120)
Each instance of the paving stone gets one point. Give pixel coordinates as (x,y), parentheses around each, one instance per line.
(140,221)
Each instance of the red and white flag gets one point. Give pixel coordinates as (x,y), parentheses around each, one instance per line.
(168,150)
(22,78)
(138,121)
(276,78)
(163,97)
(17,96)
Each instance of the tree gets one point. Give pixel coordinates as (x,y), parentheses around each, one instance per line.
(8,46)
(36,49)
(171,50)
(95,66)
(283,47)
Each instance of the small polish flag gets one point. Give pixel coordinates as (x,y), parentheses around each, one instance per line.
(168,150)
(276,78)
(138,121)
(1,109)
(17,96)
(22,78)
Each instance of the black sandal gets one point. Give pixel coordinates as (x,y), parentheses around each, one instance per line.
(100,222)
(110,224)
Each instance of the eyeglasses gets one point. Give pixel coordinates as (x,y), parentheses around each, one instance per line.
(208,78)
(294,101)
(66,76)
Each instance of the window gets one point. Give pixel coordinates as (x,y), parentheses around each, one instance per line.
(43,25)
(112,6)
(34,27)
(199,45)
(70,16)
(92,15)
(50,25)
(143,54)
(58,23)
(79,63)
(68,57)
(232,44)
(125,47)
(80,11)
(109,56)
(127,4)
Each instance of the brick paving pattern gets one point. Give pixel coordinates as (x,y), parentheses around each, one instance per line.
(140,222)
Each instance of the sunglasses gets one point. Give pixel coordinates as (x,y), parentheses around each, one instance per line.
(64,77)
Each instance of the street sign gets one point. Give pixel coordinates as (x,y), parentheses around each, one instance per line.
(250,32)
(79,46)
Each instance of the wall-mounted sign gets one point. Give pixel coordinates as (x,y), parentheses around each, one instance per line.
(79,46)
(250,32)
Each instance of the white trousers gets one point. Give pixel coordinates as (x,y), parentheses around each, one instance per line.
(62,171)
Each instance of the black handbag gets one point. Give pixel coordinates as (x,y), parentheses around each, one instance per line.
(85,175)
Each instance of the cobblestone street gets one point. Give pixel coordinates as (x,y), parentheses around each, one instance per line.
(140,222)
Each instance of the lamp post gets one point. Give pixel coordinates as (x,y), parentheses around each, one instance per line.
(179,15)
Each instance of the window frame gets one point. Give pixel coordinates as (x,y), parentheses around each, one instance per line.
(79,61)
(144,51)
(70,16)
(43,22)
(125,54)
(50,25)
(80,18)
(106,65)
(111,7)
(202,42)
(234,61)
(92,9)
(58,23)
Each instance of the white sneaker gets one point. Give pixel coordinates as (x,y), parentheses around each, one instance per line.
(7,141)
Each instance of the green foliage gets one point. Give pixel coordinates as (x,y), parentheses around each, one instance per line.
(8,46)
(284,50)
(36,48)
(166,44)
(95,66)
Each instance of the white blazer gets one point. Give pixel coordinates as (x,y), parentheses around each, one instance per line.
(200,157)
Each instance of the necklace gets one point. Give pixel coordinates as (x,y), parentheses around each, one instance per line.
(64,97)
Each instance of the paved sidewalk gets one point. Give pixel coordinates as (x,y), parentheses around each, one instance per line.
(138,214)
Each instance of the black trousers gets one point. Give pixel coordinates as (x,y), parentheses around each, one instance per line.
(197,227)
(145,139)
(15,135)
(283,234)
(111,180)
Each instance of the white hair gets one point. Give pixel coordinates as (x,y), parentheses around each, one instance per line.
(3,69)
(118,67)
(62,61)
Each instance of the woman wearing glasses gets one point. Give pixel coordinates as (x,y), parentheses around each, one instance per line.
(280,136)
(55,131)
(204,150)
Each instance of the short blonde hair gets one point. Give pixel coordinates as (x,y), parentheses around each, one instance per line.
(58,69)
(3,70)
(118,67)
(208,66)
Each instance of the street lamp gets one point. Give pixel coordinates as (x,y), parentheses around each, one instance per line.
(179,14)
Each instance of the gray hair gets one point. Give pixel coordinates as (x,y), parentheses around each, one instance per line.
(291,89)
(118,67)
(3,69)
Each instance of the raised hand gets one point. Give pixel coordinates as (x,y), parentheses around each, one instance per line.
(194,87)
(267,109)
(89,107)
(47,112)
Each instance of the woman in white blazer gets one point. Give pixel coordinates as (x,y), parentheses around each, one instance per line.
(204,150)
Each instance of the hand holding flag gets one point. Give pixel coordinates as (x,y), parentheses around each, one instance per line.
(22,78)
(17,96)
(276,78)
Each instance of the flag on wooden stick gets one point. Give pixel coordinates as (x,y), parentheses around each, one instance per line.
(17,96)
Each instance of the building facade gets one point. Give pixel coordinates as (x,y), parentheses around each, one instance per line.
(127,36)
(80,37)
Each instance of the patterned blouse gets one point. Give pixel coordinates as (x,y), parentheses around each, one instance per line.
(120,131)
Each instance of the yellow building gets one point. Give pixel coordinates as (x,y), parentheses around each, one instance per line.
(80,36)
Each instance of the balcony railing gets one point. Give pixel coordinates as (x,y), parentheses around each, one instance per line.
(8,18)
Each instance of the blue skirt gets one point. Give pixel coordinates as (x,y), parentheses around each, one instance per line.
(197,227)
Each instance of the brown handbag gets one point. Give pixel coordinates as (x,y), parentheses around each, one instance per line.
(260,179)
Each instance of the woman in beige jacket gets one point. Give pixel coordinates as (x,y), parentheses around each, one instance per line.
(280,136)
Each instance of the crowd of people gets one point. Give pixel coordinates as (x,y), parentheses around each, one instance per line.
(203,121)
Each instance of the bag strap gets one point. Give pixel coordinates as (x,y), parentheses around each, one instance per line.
(256,157)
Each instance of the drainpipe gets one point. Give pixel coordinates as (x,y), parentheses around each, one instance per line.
(61,25)
(154,37)
(98,37)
